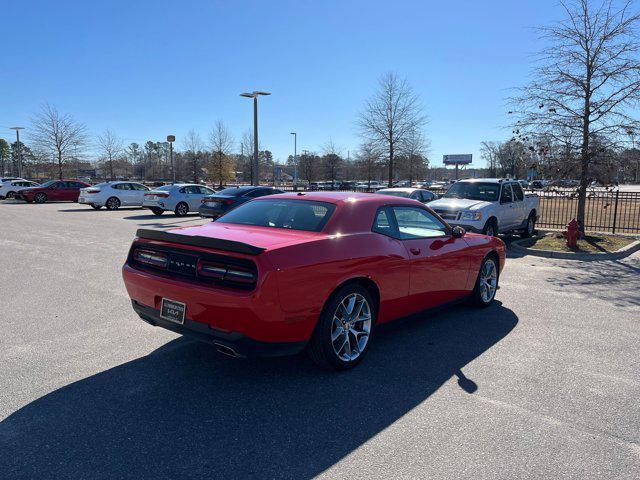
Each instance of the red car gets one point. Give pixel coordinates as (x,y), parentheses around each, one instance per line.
(309,270)
(53,191)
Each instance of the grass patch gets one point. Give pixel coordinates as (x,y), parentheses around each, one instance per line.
(591,243)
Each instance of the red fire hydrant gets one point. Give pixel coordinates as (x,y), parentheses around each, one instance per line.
(572,233)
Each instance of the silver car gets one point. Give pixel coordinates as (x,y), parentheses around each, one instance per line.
(179,198)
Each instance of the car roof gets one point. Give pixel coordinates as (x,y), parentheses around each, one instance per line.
(341,197)
(400,189)
(486,180)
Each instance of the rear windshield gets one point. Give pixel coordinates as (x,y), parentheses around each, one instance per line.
(487,192)
(290,214)
(232,192)
(164,187)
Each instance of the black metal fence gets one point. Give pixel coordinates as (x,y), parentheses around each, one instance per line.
(605,211)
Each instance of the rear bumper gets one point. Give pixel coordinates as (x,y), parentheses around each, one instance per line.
(210,212)
(239,344)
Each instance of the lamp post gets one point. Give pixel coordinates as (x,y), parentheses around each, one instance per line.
(256,167)
(171,139)
(295,158)
(17,129)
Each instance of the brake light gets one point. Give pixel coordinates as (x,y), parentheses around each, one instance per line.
(149,257)
(92,190)
(221,271)
(161,195)
(228,202)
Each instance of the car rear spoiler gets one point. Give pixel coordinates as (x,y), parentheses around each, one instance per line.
(198,241)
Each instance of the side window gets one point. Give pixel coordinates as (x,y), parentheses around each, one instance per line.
(117,186)
(417,195)
(192,190)
(506,196)
(383,224)
(138,187)
(418,223)
(517,192)
(206,191)
(61,185)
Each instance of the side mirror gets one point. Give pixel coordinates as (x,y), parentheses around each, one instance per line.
(457,232)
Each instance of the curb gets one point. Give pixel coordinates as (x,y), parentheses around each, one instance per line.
(622,253)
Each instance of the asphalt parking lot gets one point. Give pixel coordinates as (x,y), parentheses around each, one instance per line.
(543,384)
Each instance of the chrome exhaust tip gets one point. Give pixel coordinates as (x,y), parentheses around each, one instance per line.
(227,350)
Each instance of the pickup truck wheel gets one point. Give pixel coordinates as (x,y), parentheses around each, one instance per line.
(530,227)
(343,333)
(486,284)
(490,228)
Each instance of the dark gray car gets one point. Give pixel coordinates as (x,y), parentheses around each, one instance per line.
(220,203)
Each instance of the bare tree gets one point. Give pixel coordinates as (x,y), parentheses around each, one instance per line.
(489,152)
(587,79)
(111,147)
(331,160)
(368,162)
(193,153)
(221,143)
(414,148)
(57,135)
(391,114)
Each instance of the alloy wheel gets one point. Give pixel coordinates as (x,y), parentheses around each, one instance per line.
(113,203)
(351,327)
(488,281)
(182,209)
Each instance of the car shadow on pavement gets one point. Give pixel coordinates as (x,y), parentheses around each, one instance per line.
(89,209)
(190,216)
(184,411)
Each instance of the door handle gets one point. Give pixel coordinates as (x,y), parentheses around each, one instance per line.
(415,251)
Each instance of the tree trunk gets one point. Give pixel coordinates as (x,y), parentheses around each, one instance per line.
(390,164)
(59,165)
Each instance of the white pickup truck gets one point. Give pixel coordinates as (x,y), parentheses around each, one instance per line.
(490,206)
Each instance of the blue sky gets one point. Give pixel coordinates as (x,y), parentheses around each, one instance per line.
(148,68)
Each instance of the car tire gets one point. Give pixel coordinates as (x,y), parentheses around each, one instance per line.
(40,197)
(182,209)
(530,227)
(486,285)
(491,228)
(96,207)
(112,203)
(337,333)
(157,211)
(10,195)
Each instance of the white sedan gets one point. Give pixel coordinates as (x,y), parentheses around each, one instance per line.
(9,187)
(113,195)
(179,198)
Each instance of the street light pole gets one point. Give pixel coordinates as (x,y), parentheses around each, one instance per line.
(17,129)
(256,165)
(171,139)
(295,157)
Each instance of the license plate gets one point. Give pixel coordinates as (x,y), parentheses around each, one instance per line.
(173,311)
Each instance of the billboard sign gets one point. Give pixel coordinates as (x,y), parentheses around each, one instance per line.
(458,159)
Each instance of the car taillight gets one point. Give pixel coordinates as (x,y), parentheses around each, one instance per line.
(92,190)
(221,271)
(228,202)
(156,259)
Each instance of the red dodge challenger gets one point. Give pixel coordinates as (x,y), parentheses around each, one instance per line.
(307,270)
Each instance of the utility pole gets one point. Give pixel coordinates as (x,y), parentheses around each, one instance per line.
(295,157)
(256,165)
(17,129)
(171,139)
